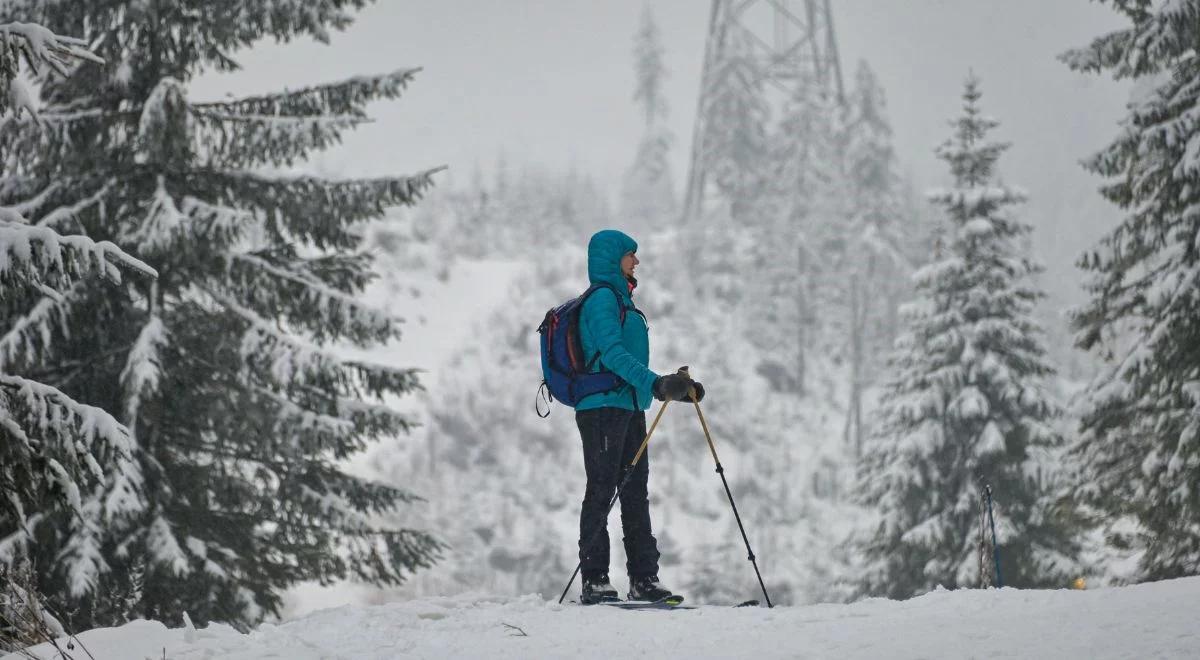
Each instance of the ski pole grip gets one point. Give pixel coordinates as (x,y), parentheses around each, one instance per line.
(683,371)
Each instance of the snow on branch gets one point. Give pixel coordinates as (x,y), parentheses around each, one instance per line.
(40,48)
(271,130)
(310,208)
(164,134)
(52,439)
(1160,34)
(334,508)
(347,97)
(339,503)
(343,426)
(70,212)
(287,360)
(379,379)
(364,494)
(165,549)
(376,420)
(143,367)
(32,333)
(310,302)
(977,198)
(21,188)
(39,254)
(48,137)
(167,223)
(311,430)
(245,141)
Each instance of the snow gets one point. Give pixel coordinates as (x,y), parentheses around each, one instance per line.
(33,250)
(164,547)
(1147,620)
(20,98)
(140,376)
(438,313)
(992,440)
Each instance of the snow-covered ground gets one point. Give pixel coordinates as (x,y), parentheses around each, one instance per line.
(1145,621)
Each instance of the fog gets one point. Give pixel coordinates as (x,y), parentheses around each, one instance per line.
(548,84)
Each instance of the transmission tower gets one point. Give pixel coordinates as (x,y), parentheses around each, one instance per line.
(792,42)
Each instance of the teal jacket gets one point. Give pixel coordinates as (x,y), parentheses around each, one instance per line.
(624,350)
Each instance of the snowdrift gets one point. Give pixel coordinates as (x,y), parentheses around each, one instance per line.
(1142,621)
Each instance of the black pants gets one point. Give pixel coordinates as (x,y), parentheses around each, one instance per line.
(611,438)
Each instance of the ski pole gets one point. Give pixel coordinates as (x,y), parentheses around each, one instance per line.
(721,471)
(995,548)
(981,551)
(616,496)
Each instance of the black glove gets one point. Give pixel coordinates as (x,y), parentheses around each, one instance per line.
(674,387)
(699,391)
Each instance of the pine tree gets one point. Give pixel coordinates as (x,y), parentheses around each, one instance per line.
(791,235)
(1139,447)
(240,411)
(734,158)
(58,457)
(965,404)
(736,142)
(648,194)
(874,241)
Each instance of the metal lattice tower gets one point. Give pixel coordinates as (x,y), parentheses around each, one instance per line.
(792,41)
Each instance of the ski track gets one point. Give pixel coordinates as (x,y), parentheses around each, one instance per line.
(1144,621)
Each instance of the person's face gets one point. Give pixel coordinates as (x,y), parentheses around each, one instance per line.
(628,263)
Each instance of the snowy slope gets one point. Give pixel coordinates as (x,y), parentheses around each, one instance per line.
(1143,621)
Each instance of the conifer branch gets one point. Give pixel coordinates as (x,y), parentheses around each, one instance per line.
(310,303)
(311,209)
(346,97)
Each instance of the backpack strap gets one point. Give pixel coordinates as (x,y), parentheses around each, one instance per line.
(542,395)
(620,302)
(620,305)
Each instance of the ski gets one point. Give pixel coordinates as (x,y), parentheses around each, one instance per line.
(667,604)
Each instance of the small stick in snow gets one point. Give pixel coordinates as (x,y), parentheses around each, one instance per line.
(518,633)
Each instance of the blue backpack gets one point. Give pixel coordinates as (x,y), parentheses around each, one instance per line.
(565,371)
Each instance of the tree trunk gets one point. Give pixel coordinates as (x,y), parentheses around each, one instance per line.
(853,429)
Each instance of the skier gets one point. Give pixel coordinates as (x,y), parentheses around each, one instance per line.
(612,424)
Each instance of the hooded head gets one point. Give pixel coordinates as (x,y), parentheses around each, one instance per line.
(604,258)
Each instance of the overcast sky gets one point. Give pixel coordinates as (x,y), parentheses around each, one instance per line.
(549,83)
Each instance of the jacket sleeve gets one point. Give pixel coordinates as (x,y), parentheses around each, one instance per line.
(602,316)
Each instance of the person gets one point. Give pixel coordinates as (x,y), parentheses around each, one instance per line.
(612,425)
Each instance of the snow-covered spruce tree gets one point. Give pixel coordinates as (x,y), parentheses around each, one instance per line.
(788,247)
(241,414)
(1139,447)
(875,214)
(59,459)
(965,404)
(648,192)
(737,144)
(735,155)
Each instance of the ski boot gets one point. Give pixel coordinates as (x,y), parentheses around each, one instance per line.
(598,590)
(651,590)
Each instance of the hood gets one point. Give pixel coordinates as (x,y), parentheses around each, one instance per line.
(604,258)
